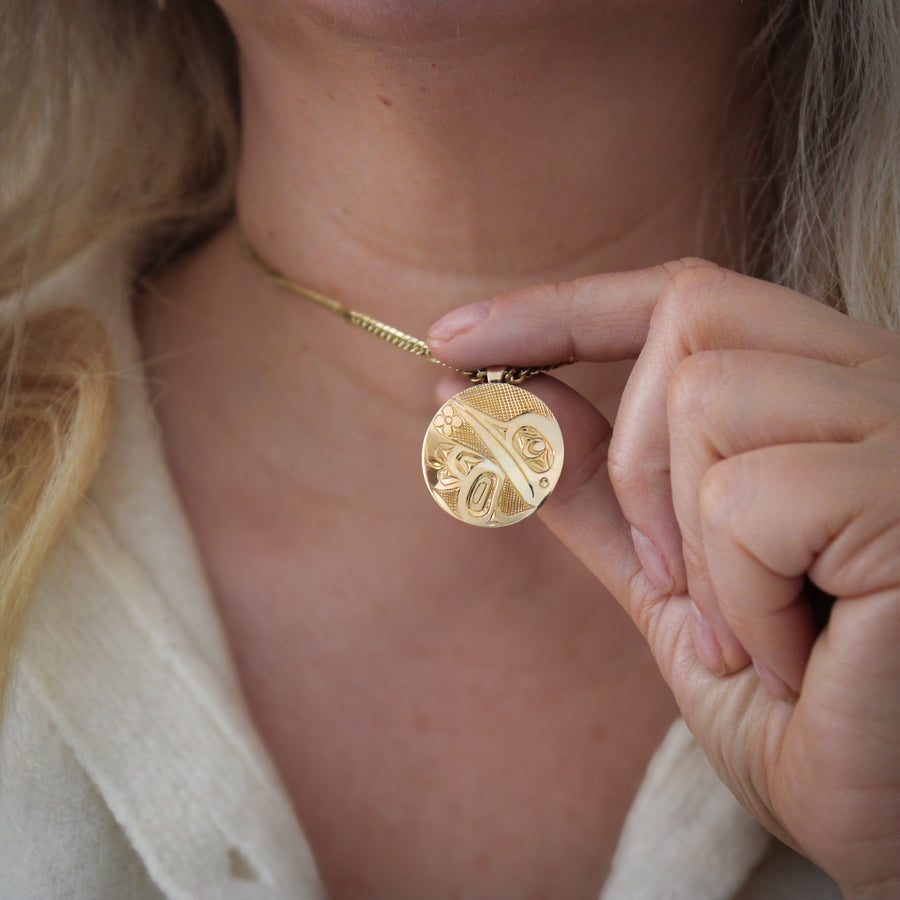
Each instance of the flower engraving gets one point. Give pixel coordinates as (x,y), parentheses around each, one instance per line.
(447,420)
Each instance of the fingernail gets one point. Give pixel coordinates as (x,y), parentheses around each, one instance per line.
(652,561)
(705,642)
(773,683)
(459,321)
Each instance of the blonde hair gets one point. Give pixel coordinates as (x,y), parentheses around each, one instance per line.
(119,123)
(120,119)
(834,97)
(55,409)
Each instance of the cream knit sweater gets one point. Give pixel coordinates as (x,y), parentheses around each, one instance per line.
(129,768)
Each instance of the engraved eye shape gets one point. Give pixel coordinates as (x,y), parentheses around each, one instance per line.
(534,449)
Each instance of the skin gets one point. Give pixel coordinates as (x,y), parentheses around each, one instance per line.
(758,444)
(408,158)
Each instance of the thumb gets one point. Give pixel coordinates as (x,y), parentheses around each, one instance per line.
(583,511)
(584,514)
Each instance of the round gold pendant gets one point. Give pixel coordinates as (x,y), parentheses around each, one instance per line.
(492,454)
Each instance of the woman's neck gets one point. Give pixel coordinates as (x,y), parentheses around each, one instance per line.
(411,163)
(406,170)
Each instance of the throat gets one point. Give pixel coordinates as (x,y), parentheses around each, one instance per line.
(389,176)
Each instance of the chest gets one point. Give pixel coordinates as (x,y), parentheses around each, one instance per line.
(451,718)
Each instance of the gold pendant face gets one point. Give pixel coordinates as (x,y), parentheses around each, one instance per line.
(492,454)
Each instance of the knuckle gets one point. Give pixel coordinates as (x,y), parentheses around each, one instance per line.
(693,383)
(688,289)
(721,493)
(623,466)
(688,262)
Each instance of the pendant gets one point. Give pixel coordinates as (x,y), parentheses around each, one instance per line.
(492,454)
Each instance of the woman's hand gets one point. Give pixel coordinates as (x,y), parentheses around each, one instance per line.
(756,453)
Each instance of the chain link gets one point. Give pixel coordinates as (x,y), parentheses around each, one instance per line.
(414,345)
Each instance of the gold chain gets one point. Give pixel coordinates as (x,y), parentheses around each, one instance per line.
(414,345)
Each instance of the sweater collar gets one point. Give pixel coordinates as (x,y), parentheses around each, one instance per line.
(125,649)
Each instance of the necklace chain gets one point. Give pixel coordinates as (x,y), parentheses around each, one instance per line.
(414,345)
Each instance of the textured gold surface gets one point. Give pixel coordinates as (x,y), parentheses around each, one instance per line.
(492,454)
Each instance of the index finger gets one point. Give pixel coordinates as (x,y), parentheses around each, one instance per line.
(599,318)
(604,318)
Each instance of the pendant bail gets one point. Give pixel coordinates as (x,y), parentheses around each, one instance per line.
(497,374)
